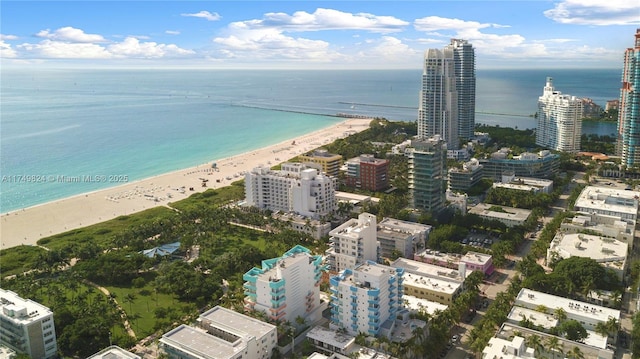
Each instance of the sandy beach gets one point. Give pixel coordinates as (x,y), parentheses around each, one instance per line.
(27,226)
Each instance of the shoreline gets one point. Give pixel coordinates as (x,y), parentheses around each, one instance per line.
(28,225)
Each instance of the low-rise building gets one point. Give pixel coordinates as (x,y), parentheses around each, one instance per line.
(510,216)
(114,352)
(589,315)
(507,349)
(543,164)
(221,334)
(476,261)
(331,341)
(608,252)
(431,282)
(368,173)
(525,184)
(442,259)
(457,201)
(561,349)
(402,237)
(462,179)
(299,223)
(322,160)
(26,326)
(609,202)
(610,227)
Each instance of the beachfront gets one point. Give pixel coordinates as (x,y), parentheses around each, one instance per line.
(28,225)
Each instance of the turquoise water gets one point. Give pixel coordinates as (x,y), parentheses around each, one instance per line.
(143,123)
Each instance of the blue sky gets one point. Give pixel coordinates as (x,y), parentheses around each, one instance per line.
(314,34)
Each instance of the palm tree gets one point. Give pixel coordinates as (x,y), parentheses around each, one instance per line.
(553,345)
(575,353)
(560,314)
(534,341)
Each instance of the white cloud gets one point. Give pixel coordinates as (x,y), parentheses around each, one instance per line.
(8,37)
(172,32)
(70,34)
(271,44)
(205,15)
(6,51)
(266,38)
(435,23)
(133,48)
(393,50)
(324,19)
(71,43)
(596,12)
(63,50)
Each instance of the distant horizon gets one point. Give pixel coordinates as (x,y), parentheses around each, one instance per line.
(309,35)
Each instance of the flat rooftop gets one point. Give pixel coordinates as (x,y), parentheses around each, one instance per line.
(236,323)
(428,270)
(21,310)
(532,298)
(415,304)
(606,251)
(432,255)
(331,337)
(608,199)
(510,213)
(403,226)
(476,258)
(543,320)
(198,341)
(114,352)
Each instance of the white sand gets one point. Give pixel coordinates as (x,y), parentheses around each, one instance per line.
(28,225)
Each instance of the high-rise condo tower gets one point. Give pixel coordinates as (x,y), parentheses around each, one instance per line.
(629,110)
(447,95)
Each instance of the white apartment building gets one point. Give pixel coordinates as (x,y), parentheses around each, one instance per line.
(286,287)
(609,202)
(604,226)
(221,334)
(559,120)
(509,216)
(404,237)
(26,326)
(295,188)
(608,252)
(587,314)
(507,349)
(525,184)
(366,299)
(352,243)
(114,352)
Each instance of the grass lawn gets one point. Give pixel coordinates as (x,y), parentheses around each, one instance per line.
(18,259)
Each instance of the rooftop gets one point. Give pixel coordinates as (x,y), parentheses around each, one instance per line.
(510,213)
(393,224)
(428,270)
(331,337)
(114,352)
(476,258)
(196,340)
(606,251)
(236,323)
(20,310)
(608,199)
(570,306)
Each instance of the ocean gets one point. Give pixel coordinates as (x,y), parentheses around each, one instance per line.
(141,123)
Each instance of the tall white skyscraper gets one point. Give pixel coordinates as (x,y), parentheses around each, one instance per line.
(464,59)
(447,96)
(629,113)
(559,120)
